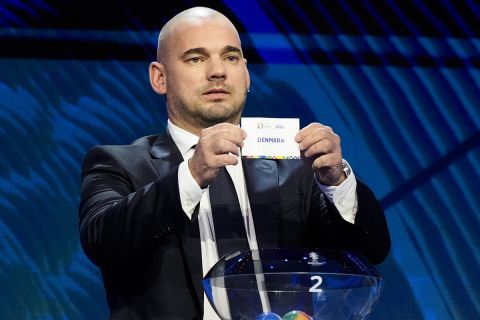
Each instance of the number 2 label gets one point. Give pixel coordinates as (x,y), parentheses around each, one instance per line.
(316,285)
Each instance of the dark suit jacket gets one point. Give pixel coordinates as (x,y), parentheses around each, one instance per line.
(133,227)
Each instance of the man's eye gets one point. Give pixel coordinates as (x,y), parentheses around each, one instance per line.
(232,58)
(194,60)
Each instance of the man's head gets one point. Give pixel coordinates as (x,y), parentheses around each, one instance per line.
(201,69)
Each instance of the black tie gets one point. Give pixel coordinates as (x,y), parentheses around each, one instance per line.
(229,226)
(230,232)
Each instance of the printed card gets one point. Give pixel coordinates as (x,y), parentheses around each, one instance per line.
(271,138)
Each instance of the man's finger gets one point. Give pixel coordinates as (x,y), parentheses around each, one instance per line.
(321,147)
(306,131)
(225,146)
(316,135)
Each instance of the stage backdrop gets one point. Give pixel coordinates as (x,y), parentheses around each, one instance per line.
(399,81)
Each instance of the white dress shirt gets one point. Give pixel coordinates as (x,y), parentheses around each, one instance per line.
(343,196)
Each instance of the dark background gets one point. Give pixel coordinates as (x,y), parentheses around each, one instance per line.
(398,80)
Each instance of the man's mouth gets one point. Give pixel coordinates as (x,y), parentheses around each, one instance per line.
(216,90)
(216,93)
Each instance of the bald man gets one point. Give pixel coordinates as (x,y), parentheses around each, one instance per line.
(146,208)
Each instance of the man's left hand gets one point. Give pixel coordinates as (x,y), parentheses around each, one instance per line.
(320,145)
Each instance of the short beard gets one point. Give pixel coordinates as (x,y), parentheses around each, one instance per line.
(208,117)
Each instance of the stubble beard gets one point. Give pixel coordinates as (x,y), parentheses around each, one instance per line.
(201,116)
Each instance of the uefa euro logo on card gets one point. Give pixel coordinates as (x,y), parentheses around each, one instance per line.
(271,138)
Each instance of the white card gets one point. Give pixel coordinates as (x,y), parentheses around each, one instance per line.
(271,138)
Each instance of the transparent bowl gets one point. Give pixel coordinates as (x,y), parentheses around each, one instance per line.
(293,284)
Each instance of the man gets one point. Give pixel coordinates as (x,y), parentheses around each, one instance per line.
(146,211)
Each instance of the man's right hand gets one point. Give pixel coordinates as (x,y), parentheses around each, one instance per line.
(218,146)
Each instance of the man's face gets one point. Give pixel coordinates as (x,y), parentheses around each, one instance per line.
(206,74)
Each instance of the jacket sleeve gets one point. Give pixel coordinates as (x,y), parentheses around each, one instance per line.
(368,236)
(119,222)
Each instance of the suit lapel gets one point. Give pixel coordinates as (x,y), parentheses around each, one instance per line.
(261,177)
(165,156)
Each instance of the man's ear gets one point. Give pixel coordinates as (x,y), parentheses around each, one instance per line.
(158,78)
(247,75)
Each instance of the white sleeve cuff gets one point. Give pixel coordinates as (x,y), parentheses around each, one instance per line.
(190,191)
(343,196)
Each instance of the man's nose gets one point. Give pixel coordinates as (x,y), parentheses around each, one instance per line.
(216,70)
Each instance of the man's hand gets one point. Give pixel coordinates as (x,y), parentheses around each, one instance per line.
(217,147)
(321,146)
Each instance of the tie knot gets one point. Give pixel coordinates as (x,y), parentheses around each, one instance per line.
(189,153)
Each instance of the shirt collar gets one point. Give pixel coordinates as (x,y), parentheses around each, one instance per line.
(182,138)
